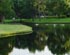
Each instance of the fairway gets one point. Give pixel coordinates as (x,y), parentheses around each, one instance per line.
(10,29)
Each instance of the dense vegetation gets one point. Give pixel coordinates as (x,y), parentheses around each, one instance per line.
(34,8)
(37,8)
(6,9)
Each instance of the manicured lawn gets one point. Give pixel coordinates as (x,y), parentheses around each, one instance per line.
(12,29)
(11,21)
(42,20)
(48,20)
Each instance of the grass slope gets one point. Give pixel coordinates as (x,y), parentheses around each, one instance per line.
(10,30)
(42,20)
(45,20)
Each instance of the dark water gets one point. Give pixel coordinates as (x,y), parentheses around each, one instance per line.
(46,39)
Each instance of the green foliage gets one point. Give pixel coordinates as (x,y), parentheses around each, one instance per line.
(40,7)
(6,8)
(56,8)
(34,8)
(24,8)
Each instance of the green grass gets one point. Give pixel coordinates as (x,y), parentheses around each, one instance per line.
(11,21)
(41,20)
(48,20)
(11,30)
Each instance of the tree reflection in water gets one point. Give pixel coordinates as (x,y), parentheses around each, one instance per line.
(57,38)
(6,45)
(34,41)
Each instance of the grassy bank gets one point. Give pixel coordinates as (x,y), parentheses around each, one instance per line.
(41,20)
(50,20)
(11,30)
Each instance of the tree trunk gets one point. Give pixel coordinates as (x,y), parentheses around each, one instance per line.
(1,18)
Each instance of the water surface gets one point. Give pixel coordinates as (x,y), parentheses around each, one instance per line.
(50,39)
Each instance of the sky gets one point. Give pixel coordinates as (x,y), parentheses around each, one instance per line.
(26,52)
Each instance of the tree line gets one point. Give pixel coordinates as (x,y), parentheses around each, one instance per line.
(34,8)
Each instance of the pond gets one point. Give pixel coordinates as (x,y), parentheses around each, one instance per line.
(46,39)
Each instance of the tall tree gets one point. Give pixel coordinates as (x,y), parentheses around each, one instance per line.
(6,9)
(40,6)
(24,8)
(55,7)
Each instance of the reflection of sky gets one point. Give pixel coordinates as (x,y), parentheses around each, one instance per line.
(26,52)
